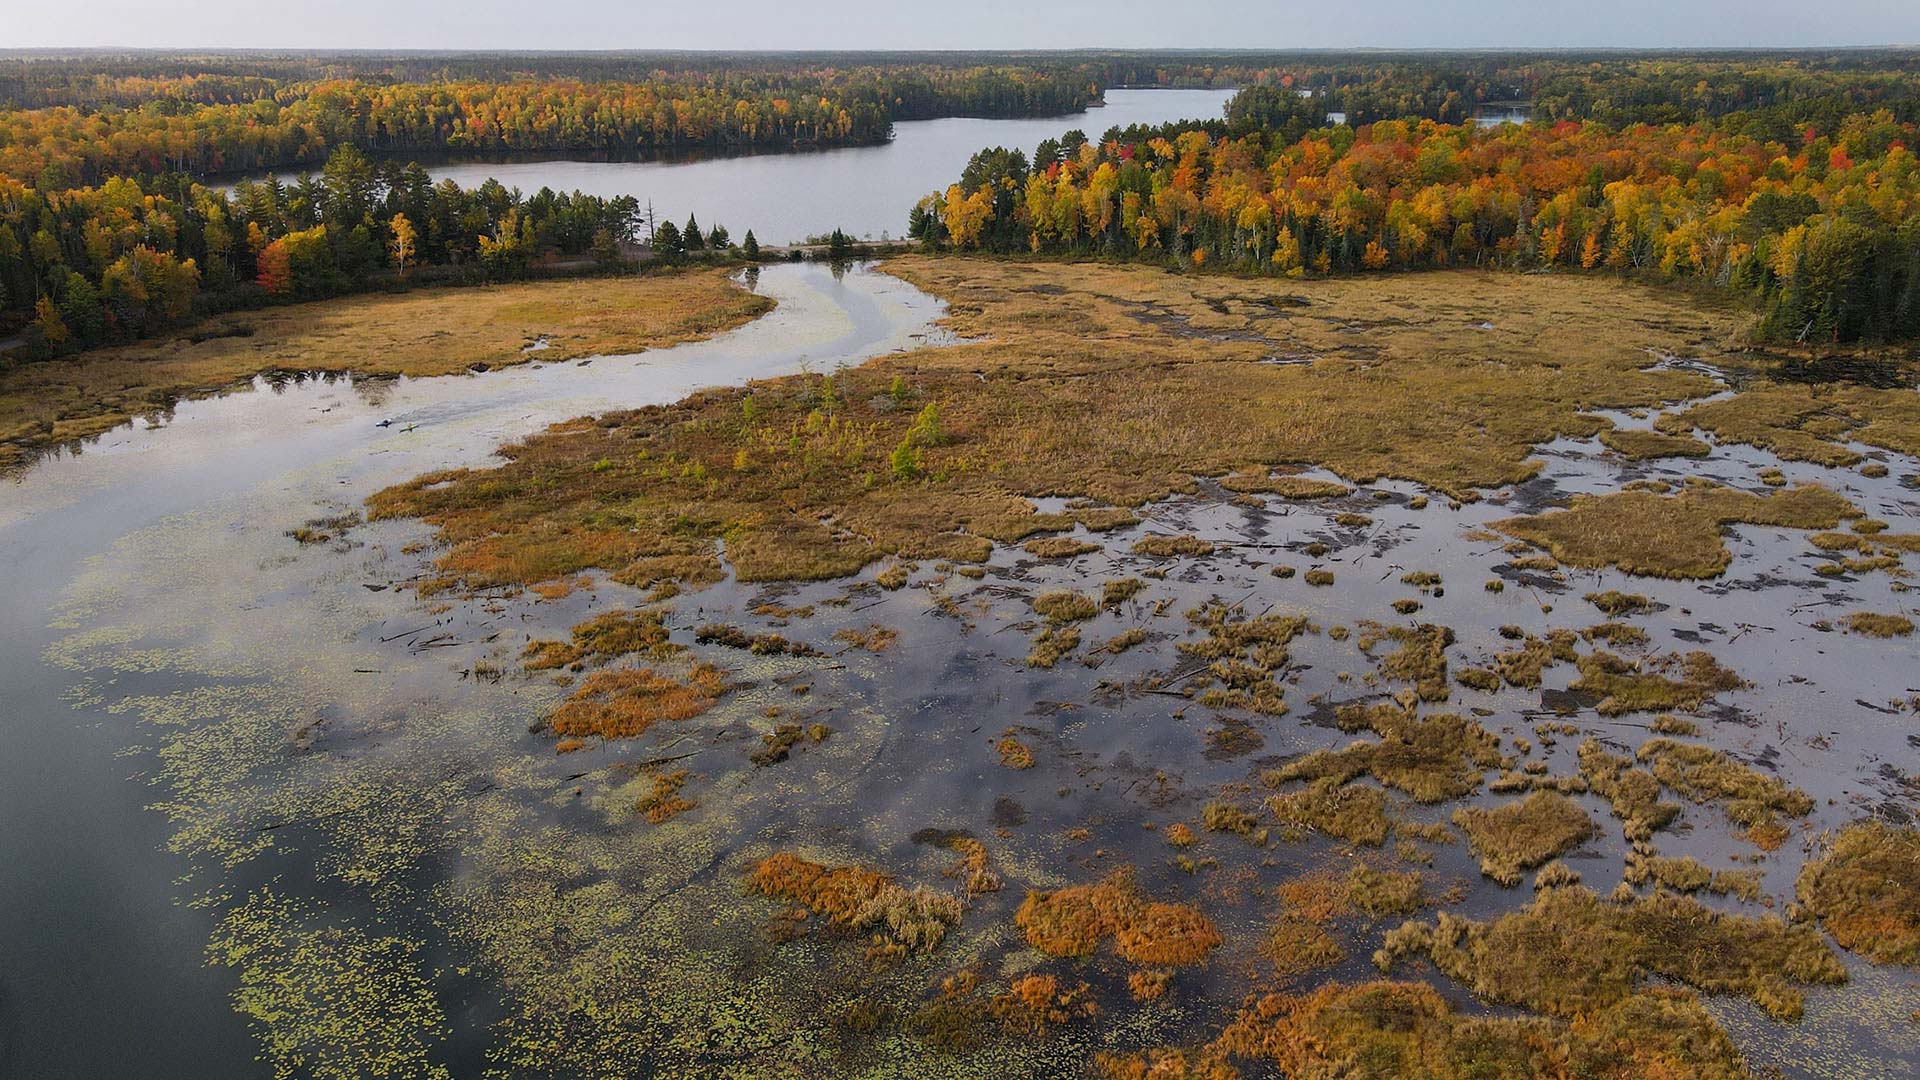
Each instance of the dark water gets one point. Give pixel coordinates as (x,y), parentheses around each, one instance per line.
(865,190)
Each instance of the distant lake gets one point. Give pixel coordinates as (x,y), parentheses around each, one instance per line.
(866,190)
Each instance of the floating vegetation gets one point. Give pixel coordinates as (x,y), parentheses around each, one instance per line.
(1433,759)
(1355,813)
(1421,658)
(1518,836)
(767,644)
(1633,793)
(1688,875)
(856,900)
(1064,606)
(1053,645)
(1571,953)
(1644,445)
(1675,536)
(1613,603)
(1523,667)
(1391,1030)
(1059,547)
(1073,921)
(778,744)
(1318,576)
(603,638)
(1652,685)
(872,639)
(1228,818)
(1866,891)
(1014,754)
(1749,798)
(1119,591)
(1618,635)
(1286,487)
(1880,626)
(663,801)
(1297,946)
(1244,656)
(623,703)
(1170,546)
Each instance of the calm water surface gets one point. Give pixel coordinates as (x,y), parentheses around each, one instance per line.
(865,190)
(101,964)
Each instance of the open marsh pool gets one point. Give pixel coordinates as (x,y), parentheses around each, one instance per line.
(369,827)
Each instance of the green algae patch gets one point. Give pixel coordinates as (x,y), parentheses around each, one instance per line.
(1674,536)
(1866,891)
(330,1001)
(1571,953)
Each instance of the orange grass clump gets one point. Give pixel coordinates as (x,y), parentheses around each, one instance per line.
(625,702)
(1073,921)
(859,900)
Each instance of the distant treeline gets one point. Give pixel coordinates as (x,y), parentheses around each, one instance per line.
(1822,228)
(211,126)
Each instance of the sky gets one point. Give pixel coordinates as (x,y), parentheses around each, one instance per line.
(954,24)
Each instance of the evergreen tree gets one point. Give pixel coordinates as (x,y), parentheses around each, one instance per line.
(666,241)
(691,236)
(750,247)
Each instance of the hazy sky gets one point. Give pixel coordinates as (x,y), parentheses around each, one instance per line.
(959,24)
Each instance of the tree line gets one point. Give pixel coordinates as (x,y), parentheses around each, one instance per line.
(1822,229)
(136,255)
(299,125)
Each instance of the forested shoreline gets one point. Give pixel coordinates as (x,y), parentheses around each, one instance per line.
(1821,230)
(1783,177)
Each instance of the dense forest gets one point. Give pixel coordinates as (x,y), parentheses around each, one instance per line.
(1822,227)
(1784,175)
(105,235)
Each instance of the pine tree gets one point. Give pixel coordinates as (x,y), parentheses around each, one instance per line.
(691,236)
(750,247)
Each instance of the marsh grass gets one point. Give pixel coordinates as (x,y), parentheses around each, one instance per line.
(1646,445)
(1517,836)
(1865,889)
(1073,921)
(1570,953)
(1656,684)
(801,486)
(1674,536)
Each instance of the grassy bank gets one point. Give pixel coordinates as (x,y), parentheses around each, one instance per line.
(437,331)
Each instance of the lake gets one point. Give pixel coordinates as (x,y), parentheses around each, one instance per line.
(864,190)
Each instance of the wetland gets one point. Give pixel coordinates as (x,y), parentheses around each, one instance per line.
(992,668)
